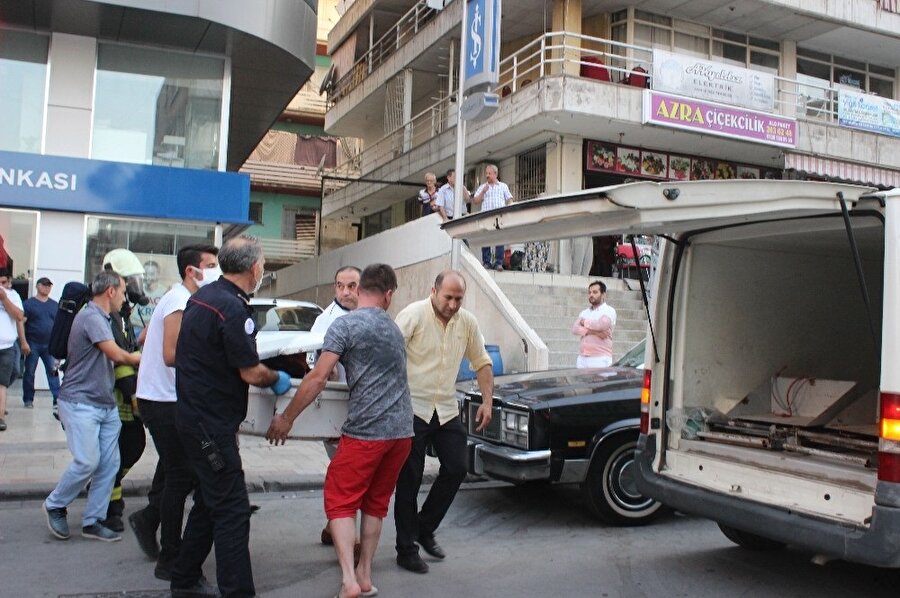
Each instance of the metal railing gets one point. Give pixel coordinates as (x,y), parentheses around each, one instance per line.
(387,45)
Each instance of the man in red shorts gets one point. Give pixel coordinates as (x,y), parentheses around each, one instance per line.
(375,439)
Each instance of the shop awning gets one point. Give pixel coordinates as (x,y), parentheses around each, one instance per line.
(844,171)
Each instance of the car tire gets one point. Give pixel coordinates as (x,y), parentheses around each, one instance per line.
(750,541)
(609,489)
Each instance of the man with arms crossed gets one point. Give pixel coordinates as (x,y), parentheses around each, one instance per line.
(198,267)
(595,326)
(438,334)
(375,438)
(88,412)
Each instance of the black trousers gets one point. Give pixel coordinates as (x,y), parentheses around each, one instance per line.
(176,475)
(220,516)
(449,442)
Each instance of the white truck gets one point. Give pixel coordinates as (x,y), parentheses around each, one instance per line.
(771,399)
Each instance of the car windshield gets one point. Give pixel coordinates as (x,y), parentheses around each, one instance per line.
(283,318)
(634,358)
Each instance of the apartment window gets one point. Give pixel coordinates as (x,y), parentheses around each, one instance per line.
(657,31)
(157,107)
(531,173)
(23,82)
(826,70)
(256,212)
(376,223)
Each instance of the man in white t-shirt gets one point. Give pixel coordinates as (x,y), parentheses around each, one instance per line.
(346,298)
(11,313)
(595,326)
(174,480)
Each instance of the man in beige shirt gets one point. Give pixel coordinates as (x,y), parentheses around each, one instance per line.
(438,334)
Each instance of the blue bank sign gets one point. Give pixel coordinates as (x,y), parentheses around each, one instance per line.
(482,47)
(39,182)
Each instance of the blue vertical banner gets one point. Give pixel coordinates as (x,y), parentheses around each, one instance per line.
(482,44)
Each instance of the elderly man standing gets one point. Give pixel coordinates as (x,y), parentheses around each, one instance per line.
(438,334)
(375,438)
(88,412)
(492,194)
(215,361)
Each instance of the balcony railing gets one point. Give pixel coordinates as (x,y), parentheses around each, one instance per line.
(280,160)
(287,251)
(607,61)
(387,45)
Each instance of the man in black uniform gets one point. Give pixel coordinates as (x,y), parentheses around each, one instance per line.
(215,360)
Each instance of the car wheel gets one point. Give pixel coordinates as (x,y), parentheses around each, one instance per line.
(610,489)
(750,541)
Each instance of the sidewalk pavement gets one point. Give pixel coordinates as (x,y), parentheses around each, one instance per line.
(33,456)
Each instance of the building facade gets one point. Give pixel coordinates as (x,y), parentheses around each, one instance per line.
(126,121)
(597,92)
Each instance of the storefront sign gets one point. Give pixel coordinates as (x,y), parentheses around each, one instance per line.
(716,119)
(62,184)
(869,113)
(714,81)
(633,161)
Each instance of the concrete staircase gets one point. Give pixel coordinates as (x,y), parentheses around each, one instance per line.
(551,309)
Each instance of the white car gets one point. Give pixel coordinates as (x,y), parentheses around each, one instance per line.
(283,333)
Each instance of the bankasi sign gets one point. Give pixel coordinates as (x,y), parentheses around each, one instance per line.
(716,119)
(714,81)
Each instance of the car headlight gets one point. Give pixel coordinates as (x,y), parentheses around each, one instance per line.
(515,428)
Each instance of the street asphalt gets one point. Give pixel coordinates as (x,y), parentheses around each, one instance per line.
(33,455)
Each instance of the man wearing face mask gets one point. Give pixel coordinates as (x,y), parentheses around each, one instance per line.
(215,361)
(198,266)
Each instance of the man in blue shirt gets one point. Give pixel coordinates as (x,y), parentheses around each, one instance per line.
(40,312)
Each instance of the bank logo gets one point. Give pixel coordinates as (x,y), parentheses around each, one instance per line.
(38,179)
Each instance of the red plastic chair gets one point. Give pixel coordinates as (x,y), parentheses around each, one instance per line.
(594,69)
(638,77)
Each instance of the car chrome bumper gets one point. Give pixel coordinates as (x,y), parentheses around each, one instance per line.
(507,463)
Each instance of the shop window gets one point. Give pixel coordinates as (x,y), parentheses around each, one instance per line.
(23,80)
(18,237)
(157,107)
(154,242)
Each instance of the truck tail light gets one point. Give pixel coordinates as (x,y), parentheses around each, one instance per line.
(889,441)
(645,403)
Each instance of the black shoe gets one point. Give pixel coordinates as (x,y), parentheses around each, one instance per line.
(163,571)
(430,545)
(113,522)
(144,534)
(198,590)
(412,562)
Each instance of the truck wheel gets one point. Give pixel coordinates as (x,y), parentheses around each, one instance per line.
(610,490)
(750,541)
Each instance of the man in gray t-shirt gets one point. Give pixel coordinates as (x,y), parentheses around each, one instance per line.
(376,436)
(88,412)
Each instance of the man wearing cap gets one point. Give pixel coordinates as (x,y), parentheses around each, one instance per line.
(40,312)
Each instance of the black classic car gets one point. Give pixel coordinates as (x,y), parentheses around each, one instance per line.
(566,426)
